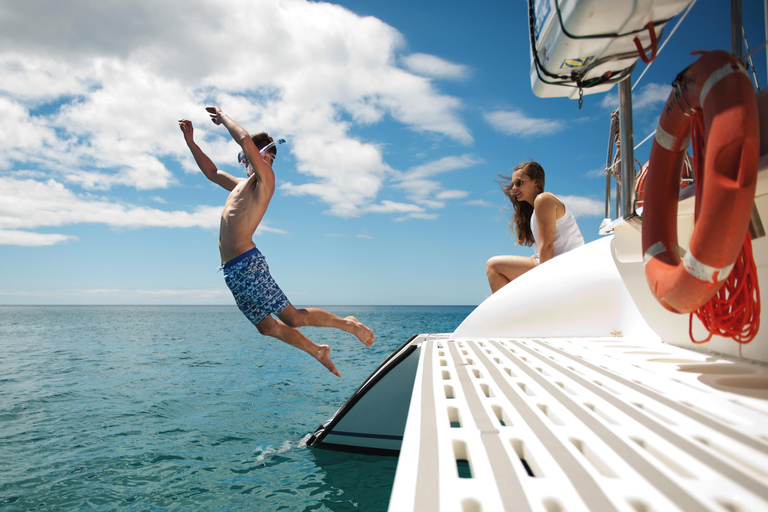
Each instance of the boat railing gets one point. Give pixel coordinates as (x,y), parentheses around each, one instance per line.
(621,165)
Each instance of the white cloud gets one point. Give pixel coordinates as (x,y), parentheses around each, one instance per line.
(429,192)
(595,173)
(348,174)
(420,216)
(117,296)
(35,79)
(652,95)
(97,107)
(649,96)
(446,164)
(394,207)
(512,122)
(30,239)
(339,235)
(479,202)
(435,67)
(452,194)
(29,204)
(185,293)
(23,136)
(584,206)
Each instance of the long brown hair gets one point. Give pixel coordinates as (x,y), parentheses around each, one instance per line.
(521,220)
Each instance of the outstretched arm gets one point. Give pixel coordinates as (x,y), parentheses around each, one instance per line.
(206,165)
(262,169)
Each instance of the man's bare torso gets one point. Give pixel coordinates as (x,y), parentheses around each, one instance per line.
(241,216)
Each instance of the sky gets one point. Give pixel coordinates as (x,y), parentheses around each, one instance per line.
(398,115)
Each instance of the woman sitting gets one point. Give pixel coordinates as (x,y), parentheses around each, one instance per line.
(540,219)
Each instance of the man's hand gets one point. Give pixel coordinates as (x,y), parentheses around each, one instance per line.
(216,114)
(187,129)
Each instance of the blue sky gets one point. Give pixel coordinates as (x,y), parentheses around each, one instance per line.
(398,115)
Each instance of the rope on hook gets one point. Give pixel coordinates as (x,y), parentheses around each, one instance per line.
(734,312)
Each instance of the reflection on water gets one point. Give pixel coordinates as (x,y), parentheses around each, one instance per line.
(354,482)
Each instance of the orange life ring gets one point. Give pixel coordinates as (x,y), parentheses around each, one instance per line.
(716,84)
(640,185)
(642,175)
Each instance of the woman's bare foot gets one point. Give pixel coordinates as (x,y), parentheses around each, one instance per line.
(324,356)
(361,331)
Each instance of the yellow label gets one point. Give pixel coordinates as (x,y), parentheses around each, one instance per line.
(575,63)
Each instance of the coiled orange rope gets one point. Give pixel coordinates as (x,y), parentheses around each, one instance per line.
(734,312)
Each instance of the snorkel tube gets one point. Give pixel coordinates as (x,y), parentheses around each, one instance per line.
(271,145)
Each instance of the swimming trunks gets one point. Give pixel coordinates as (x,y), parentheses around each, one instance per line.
(256,293)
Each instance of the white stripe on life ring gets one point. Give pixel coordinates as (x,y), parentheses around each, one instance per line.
(653,251)
(667,140)
(715,77)
(704,272)
(659,248)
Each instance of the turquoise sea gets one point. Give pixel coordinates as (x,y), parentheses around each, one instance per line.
(184,408)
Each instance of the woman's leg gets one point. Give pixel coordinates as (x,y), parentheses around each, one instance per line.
(503,269)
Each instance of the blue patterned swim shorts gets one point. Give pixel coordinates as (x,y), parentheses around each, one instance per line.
(256,293)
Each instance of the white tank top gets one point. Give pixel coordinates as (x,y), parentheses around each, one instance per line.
(567,233)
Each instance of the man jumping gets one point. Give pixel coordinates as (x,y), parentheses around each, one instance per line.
(245,270)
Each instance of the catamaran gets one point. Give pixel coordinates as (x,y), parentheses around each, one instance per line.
(584,384)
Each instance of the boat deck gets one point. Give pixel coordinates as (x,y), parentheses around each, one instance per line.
(582,424)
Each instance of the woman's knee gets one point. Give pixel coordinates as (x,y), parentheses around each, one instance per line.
(492,266)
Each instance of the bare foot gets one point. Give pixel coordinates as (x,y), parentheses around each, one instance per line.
(361,331)
(324,356)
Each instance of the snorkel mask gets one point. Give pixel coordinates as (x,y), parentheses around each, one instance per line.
(244,161)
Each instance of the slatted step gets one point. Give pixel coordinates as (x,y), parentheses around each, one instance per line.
(582,424)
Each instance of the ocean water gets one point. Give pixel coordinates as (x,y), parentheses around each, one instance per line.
(184,408)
